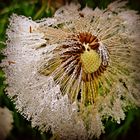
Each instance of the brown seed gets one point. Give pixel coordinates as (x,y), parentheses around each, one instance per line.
(81,14)
(30,29)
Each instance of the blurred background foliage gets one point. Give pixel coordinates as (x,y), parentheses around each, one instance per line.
(37,9)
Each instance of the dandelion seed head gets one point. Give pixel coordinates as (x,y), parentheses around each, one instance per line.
(70,72)
(6,120)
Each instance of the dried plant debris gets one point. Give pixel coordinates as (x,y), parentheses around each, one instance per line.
(70,72)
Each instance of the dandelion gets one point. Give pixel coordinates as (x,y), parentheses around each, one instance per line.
(70,72)
(6,120)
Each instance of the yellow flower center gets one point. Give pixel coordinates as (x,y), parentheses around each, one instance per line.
(91,61)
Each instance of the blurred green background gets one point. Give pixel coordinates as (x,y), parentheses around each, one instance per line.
(127,130)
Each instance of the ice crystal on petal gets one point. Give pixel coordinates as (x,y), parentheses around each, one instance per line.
(70,72)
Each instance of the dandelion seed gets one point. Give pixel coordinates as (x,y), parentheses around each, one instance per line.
(74,70)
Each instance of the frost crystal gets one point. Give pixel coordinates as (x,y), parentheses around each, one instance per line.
(70,72)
